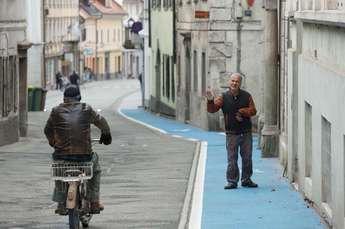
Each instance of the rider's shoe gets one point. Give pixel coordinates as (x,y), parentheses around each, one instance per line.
(61,209)
(96,207)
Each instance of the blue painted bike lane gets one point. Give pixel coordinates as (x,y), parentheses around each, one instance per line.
(274,205)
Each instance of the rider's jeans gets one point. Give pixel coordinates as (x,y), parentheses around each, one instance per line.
(60,190)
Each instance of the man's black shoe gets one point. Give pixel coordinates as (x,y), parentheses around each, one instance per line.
(61,209)
(249,184)
(230,186)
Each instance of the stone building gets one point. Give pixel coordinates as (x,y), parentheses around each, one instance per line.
(312,105)
(61,37)
(13,71)
(215,39)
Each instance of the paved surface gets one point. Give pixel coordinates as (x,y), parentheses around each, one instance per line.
(145,175)
(274,205)
(144,179)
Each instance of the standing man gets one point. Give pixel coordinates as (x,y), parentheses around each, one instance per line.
(74,78)
(58,80)
(238,107)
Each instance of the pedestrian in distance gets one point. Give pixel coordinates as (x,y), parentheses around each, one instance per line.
(238,107)
(68,131)
(74,78)
(58,80)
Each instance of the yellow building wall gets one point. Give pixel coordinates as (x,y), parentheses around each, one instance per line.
(110,39)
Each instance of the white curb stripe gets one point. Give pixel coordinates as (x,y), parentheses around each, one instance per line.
(198,194)
(140,122)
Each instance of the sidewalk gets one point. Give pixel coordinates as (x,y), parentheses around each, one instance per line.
(274,205)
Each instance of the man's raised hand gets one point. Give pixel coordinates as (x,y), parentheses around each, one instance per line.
(209,94)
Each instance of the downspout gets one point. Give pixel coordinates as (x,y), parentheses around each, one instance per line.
(174,33)
(279,56)
(149,10)
(43,67)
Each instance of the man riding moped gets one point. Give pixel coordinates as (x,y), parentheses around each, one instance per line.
(68,131)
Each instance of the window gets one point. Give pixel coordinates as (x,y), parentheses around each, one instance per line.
(114,35)
(83,35)
(195,71)
(308,139)
(119,36)
(108,35)
(8,85)
(172,79)
(203,73)
(102,36)
(167,71)
(326,164)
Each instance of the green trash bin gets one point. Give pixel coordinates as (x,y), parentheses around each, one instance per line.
(30,98)
(36,98)
(36,102)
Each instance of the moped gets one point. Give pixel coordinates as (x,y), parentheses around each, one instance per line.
(74,176)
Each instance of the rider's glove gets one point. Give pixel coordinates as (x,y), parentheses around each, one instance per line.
(105,139)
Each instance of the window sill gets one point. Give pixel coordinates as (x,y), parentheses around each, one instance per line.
(325,17)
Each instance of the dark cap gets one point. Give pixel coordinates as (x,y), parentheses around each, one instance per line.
(72,91)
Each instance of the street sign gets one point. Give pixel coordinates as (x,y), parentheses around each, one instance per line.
(202,14)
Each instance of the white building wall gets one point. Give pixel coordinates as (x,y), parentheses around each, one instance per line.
(34,33)
(316,61)
(322,85)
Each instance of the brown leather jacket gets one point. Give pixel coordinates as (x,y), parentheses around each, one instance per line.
(68,128)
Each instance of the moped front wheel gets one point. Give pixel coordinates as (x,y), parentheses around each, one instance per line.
(73,218)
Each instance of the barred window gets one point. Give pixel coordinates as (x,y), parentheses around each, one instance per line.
(8,86)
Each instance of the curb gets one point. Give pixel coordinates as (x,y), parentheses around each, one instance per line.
(191,213)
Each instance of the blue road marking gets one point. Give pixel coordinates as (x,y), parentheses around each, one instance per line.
(274,205)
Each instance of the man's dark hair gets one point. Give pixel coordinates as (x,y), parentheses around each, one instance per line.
(72,91)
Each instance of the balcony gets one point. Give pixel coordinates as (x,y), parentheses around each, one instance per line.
(128,44)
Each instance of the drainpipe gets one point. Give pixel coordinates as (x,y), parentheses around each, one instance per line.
(43,67)
(270,131)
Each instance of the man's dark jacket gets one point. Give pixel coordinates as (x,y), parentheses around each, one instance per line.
(68,129)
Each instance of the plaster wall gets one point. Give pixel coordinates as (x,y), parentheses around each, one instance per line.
(106,27)
(321,79)
(162,40)
(35,36)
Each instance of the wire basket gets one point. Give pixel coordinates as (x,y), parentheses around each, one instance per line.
(72,171)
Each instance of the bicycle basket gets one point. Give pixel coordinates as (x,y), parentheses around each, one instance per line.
(72,171)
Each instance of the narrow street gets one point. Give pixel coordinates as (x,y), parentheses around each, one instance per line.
(144,173)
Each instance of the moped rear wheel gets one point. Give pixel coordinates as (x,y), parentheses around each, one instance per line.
(73,218)
(85,219)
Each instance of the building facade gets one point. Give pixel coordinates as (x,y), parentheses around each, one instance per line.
(163,57)
(13,71)
(147,55)
(215,39)
(133,57)
(88,40)
(61,38)
(109,38)
(35,36)
(312,139)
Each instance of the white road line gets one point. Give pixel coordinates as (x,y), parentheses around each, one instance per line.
(198,194)
(140,122)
